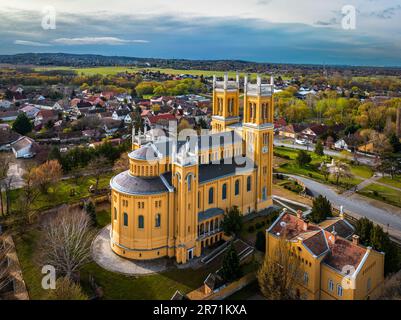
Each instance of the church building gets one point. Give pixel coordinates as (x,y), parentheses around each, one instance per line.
(171,201)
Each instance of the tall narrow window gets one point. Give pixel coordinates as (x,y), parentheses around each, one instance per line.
(224,192)
(264,194)
(189,182)
(115,213)
(141,222)
(339,290)
(331,285)
(158,220)
(125,219)
(211,195)
(249,183)
(236,187)
(199,199)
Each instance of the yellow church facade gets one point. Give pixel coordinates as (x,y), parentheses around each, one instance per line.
(333,264)
(171,201)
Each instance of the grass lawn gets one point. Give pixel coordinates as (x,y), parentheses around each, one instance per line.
(396,182)
(62,194)
(115,286)
(362,171)
(382,193)
(312,170)
(116,69)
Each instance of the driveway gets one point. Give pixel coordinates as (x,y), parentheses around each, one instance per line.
(389,217)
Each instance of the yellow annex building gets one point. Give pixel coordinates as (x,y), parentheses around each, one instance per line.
(171,201)
(334,265)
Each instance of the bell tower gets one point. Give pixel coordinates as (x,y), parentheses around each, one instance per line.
(225,103)
(185,177)
(258,135)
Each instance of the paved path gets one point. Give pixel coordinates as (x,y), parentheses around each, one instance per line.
(360,186)
(107,259)
(363,159)
(389,217)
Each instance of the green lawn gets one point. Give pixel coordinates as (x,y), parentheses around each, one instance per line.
(396,182)
(116,69)
(62,193)
(362,171)
(382,193)
(312,170)
(115,286)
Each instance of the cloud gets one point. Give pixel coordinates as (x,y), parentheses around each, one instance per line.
(31,43)
(96,41)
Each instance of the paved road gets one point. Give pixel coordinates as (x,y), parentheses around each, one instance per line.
(376,211)
(363,159)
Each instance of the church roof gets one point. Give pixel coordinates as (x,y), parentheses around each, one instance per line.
(126,183)
(210,213)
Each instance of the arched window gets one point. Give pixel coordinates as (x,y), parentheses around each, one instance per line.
(264,194)
(158,220)
(249,183)
(224,192)
(236,187)
(141,222)
(115,213)
(331,285)
(189,182)
(339,290)
(211,195)
(125,219)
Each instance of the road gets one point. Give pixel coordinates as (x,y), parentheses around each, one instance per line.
(363,159)
(387,216)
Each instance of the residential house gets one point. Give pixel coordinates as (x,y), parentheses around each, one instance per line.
(111,126)
(120,114)
(291,130)
(44,116)
(160,121)
(333,264)
(30,111)
(348,143)
(24,148)
(9,115)
(5,104)
(7,137)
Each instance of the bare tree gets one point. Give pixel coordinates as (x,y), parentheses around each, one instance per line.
(121,164)
(96,167)
(5,248)
(280,273)
(339,170)
(66,241)
(30,193)
(392,287)
(4,167)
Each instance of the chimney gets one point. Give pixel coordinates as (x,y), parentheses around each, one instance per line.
(299,214)
(305,225)
(333,237)
(355,239)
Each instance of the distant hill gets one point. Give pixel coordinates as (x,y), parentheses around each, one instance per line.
(92,60)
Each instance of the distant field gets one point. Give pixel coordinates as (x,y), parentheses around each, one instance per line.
(114,70)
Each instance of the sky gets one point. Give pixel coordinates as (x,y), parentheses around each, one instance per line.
(280,31)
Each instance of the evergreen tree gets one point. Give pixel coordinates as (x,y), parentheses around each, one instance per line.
(22,124)
(260,243)
(232,222)
(303,158)
(321,209)
(319,150)
(91,211)
(395,143)
(231,269)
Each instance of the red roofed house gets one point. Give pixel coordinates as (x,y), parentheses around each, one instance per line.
(160,121)
(334,266)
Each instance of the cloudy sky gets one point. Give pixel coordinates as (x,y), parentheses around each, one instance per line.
(293,31)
